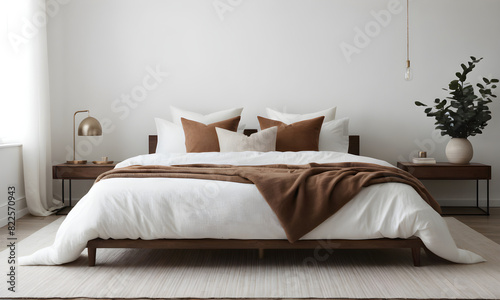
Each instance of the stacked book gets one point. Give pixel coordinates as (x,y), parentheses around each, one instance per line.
(424,160)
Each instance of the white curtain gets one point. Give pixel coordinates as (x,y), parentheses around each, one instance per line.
(27,106)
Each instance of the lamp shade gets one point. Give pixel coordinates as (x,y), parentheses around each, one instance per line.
(89,127)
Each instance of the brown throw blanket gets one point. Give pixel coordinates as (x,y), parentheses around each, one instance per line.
(301,196)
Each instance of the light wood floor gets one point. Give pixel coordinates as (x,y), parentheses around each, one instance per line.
(28,225)
(489,226)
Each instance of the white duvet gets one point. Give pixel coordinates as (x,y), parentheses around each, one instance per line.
(154,208)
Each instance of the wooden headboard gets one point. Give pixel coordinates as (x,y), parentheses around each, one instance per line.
(353,142)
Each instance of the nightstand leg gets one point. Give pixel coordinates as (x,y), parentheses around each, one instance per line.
(477,193)
(70,193)
(62,181)
(487,197)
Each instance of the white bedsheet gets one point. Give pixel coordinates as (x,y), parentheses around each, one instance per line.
(153,208)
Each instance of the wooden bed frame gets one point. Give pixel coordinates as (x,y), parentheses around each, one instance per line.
(353,142)
(413,243)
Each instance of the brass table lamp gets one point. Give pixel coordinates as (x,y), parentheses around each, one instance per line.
(88,127)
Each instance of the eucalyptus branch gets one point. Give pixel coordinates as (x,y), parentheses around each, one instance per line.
(465,114)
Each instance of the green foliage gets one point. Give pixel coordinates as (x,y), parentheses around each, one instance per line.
(465,114)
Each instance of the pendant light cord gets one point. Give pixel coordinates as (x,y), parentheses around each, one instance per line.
(407,30)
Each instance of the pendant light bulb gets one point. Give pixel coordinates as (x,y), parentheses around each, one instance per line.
(408,72)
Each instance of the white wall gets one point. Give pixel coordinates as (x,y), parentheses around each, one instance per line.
(11,174)
(284,54)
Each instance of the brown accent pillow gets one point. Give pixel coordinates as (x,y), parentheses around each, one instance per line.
(299,136)
(203,138)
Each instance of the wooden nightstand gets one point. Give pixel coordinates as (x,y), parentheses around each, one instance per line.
(448,171)
(70,172)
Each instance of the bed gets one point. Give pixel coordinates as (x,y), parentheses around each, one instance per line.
(182,213)
(413,243)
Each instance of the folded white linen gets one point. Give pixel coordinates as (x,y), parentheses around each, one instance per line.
(153,208)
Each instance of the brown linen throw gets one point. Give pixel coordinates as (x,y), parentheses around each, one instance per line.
(301,196)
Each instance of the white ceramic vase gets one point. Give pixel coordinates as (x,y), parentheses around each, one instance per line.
(459,151)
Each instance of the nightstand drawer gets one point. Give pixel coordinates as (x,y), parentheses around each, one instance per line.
(88,171)
(447,171)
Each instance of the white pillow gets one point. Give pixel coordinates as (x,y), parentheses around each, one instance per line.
(171,137)
(263,141)
(329,115)
(217,116)
(334,136)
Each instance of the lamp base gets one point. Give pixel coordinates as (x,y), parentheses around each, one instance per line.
(76,162)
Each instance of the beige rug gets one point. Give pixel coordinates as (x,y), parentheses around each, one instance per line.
(240,274)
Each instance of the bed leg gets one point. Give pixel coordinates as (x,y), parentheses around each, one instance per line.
(415,253)
(261,253)
(91,253)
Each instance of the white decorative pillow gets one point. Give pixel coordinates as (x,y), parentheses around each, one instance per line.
(171,137)
(329,115)
(263,141)
(334,136)
(214,117)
